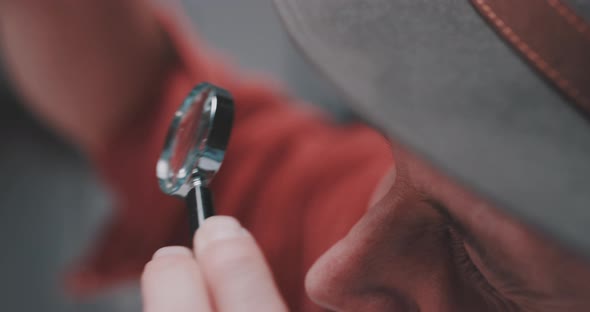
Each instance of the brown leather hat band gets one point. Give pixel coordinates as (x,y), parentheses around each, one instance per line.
(550,36)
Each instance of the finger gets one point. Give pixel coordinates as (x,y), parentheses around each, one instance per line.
(172,281)
(234,268)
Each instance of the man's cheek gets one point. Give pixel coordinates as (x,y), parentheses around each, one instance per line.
(398,256)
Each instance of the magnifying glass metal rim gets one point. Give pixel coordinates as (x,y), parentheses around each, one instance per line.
(203,162)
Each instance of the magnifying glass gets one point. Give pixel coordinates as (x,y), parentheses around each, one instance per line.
(194,149)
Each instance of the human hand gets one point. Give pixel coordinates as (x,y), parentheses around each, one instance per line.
(225,272)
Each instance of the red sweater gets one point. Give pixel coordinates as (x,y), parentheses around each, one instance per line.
(297,181)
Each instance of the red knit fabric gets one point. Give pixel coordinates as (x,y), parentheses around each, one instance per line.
(294,179)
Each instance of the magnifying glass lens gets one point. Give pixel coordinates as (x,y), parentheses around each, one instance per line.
(185,142)
(194,149)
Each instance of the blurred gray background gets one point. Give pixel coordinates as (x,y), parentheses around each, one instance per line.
(50,203)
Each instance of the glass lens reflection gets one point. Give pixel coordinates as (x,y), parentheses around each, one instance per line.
(186,140)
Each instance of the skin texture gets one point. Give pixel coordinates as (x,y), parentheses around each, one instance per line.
(430,245)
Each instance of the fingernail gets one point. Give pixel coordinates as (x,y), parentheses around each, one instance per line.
(172,251)
(216,229)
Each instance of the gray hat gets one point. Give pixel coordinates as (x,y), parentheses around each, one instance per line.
(437,77)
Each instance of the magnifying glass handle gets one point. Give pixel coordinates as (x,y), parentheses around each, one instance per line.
(200,206)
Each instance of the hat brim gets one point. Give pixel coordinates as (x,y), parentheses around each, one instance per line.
(436,77)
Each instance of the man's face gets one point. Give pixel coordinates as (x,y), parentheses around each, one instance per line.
(426,244)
